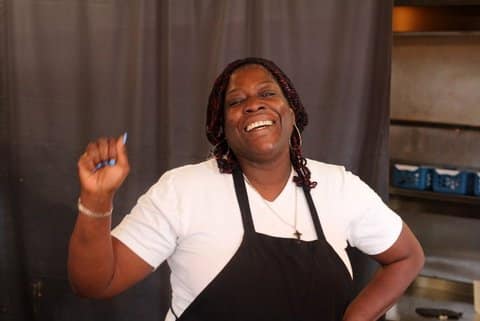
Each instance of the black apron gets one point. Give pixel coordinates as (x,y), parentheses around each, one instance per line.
(277,279)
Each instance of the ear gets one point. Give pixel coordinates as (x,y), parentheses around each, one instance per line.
(293,115)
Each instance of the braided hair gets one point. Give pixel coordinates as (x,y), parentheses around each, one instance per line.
(226,160)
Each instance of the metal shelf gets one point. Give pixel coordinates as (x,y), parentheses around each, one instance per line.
(411,201)
(430,124)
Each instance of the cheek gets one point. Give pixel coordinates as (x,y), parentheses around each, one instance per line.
(229,124)
(290,117)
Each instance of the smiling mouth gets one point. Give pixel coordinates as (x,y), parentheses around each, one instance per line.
(258,125)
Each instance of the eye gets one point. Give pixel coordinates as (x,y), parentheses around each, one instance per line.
(234,101)
(267,93)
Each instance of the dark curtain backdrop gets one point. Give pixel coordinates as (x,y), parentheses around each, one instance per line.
(73,70)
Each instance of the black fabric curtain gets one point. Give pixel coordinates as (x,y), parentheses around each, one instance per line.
(74,70)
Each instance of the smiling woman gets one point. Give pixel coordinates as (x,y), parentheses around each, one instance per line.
(271,249)
(272,82)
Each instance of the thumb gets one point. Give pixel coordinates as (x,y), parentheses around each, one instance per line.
(122,158)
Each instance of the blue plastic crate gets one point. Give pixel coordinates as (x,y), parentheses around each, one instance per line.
(452,181)
(412,177)
(476,184)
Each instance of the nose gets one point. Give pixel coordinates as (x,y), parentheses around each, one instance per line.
(253,104)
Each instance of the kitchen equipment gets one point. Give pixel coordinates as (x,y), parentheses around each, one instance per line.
(441,314)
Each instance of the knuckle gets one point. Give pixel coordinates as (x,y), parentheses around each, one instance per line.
(101,142)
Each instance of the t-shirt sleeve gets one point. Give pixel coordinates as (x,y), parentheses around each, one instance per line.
(374,227)
(150,230)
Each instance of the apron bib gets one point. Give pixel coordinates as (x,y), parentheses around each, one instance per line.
(277,279)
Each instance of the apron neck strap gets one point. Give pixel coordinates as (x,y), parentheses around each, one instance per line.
(242,198)
(314,214)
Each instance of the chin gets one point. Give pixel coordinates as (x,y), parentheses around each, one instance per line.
(266,152)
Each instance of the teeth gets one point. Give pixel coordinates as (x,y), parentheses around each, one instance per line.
(258,124)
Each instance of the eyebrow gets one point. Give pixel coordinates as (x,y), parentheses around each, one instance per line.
(259,85)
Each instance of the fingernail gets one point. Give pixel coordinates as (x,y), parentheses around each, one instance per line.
(125,136)
(99,165)
(112,162)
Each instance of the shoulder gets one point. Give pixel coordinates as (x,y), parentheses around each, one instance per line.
(320,168)
(193,172)
(366,220)
(192,179)
(199,173)
(329,177)
(340,188)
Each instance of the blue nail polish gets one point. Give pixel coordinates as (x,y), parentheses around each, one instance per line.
(101,165)
(112,162)
(125,136)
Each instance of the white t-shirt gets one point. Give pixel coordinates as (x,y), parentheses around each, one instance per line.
(191,218)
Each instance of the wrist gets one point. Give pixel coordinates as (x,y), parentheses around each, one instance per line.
(97,202)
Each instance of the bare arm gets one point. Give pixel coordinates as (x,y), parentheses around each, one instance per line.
(100,266)
(400,265)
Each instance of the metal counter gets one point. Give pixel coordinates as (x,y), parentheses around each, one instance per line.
(428,292)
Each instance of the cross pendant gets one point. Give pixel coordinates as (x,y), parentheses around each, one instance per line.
(297,234)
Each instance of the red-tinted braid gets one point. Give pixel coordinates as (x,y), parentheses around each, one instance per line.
(215,119)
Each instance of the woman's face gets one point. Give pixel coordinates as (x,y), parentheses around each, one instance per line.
(258,118)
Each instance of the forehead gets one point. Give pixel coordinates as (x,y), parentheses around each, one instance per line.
(250,74)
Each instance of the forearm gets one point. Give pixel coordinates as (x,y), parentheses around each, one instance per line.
(382,292)
(91,262)
(400,265)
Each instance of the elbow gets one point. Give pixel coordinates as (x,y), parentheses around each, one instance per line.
(414,262)
(89,283)
(86,288)
(413,252)
(416,257)
(78,292)
(419,259)
(89,293)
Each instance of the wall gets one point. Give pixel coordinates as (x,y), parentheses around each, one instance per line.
(436,78)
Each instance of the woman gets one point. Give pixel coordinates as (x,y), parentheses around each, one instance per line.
(255,233)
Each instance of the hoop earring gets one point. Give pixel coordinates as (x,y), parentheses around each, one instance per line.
(300,142)
(215,147)
(225,156)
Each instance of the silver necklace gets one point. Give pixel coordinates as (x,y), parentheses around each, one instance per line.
(296,232)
